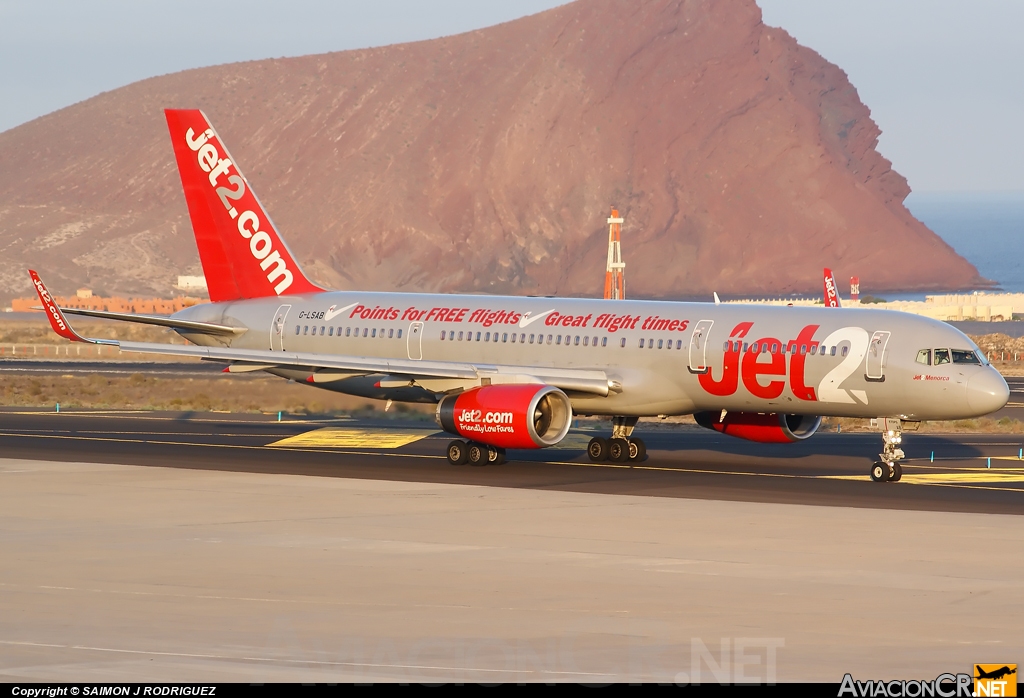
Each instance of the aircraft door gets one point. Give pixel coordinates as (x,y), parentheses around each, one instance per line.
(415,341)
(699,346)
(277,328)
(875,363)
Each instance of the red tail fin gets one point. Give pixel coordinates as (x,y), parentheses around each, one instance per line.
(831,294)
(242,253)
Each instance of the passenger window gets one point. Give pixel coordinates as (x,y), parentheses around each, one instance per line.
(522,339)
(442,335)
(726,345)
(558,339)
(962,356)
(744,347)
(391,334)
(845,351)
(833,352)
(641,344)
(775,348)
(504,337)
(586,341)
(549,339)
(399,334)
(460,336)
(297,330)
(531,339)
(924,357)
(577,340)
(478,336)
(487,337)
(348,331)
(814,349)
(365,330)
(374,332)
(330,332)
(513,337)
(305,329)
(322,330)
(622,343)
(604,341)
(679,344)
(661,343)
(803,349)
(941,356)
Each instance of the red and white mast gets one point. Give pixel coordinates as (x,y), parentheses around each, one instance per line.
(614,279)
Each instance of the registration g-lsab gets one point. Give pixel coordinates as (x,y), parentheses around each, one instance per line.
(510,372)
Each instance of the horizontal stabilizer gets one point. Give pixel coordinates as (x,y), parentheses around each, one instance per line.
(162,321)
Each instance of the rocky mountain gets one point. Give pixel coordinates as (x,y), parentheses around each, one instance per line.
(742,162)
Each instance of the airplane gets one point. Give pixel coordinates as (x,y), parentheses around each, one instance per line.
(509,372)
(996,674)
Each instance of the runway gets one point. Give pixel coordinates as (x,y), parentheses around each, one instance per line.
(115,368)
(213,547)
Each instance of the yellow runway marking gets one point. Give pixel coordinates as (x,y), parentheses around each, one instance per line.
(335,437)
(971,477)
(957,478)
(572,442)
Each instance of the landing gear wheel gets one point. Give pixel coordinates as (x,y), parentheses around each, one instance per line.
(597,449)
(896,472)
(637,450)
(495,455)
(458,453)
(477,454)
(879,472)
(618,450)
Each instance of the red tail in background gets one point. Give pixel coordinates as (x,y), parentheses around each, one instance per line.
(831,294)
(243,255)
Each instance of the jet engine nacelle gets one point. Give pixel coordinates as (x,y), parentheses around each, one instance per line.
(770,428)
(508,416)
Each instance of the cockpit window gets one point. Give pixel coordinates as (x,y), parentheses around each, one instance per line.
(963,356)
(924,357)
(941,356)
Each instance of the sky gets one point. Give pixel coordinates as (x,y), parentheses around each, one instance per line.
(944,79)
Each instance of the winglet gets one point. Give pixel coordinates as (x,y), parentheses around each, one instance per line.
(718,301)
(57,320)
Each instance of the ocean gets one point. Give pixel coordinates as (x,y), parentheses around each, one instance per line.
(986,228)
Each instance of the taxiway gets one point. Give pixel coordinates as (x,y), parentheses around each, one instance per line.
(173,547)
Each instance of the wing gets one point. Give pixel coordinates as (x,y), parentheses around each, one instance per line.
(437,376)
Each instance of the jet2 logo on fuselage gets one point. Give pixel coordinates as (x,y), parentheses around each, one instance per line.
(753,366)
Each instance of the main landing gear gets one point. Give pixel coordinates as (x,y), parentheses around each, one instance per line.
(462,452)
(621,448)
(888,469)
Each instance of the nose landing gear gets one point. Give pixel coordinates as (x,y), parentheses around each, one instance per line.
(622,447)
(888,469)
